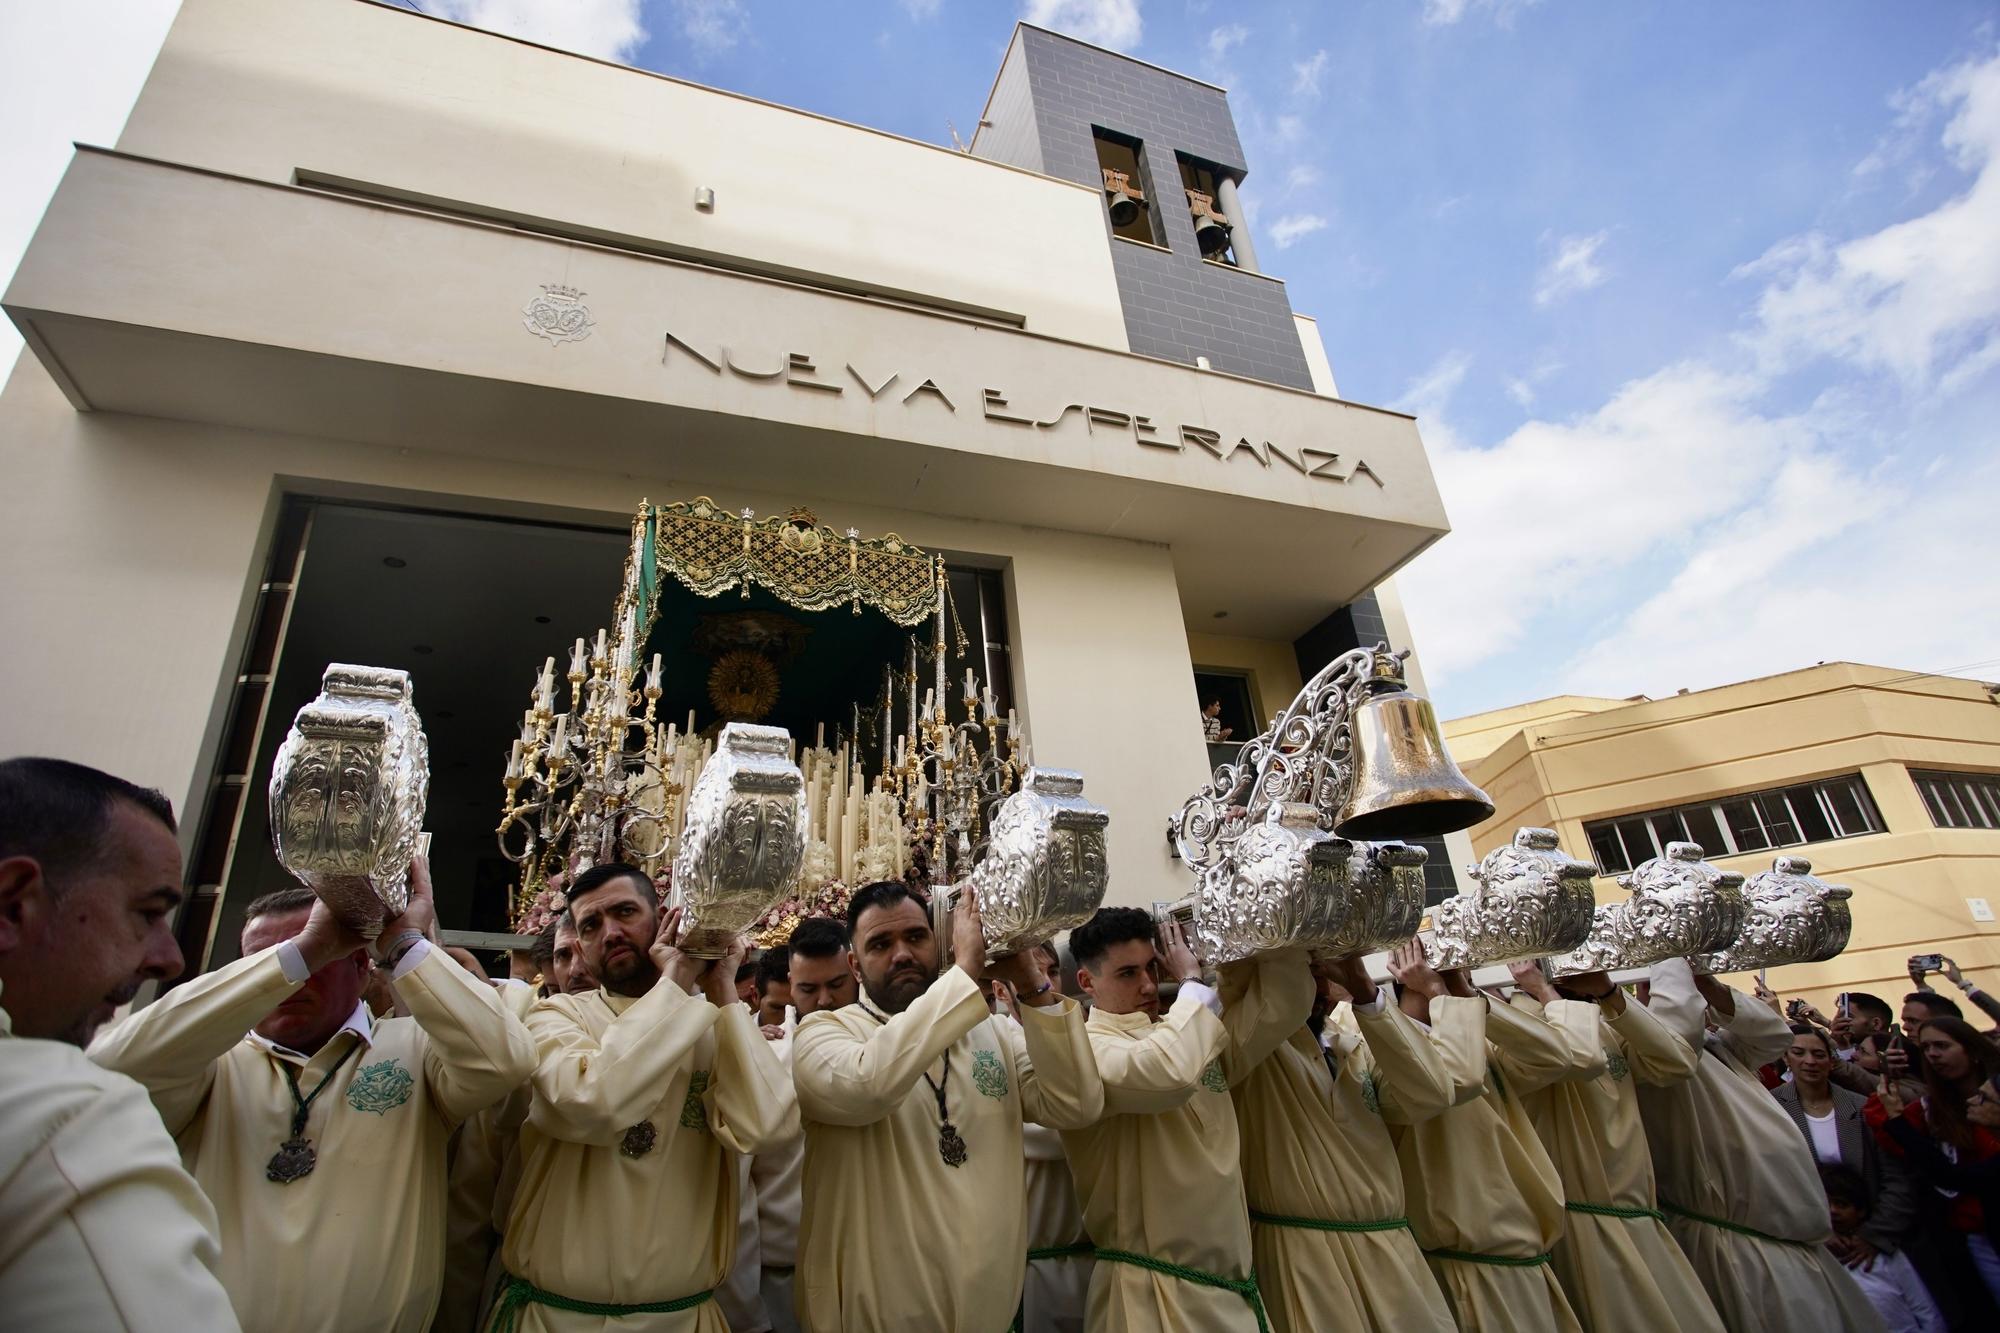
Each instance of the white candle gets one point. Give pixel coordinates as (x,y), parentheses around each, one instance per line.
(600,645)
(562,734)
(653,675)
(1013,724)
(971,686)
(576,659)
(514,762)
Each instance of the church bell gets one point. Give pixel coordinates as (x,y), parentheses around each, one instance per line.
(1404,782)
(1211,235)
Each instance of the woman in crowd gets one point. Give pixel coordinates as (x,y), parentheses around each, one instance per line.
(1830,1119)
(1947,1147)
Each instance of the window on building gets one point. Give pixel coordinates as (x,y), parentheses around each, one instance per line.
(1755,821)
(1960,800)
(1202,183)
(1126,195)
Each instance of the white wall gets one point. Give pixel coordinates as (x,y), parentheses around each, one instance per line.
(265,89)
(131,546)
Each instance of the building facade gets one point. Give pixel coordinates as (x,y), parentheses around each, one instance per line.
(1887,781)
(371,331)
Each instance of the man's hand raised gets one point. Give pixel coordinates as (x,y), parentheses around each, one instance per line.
(968,936)
(679,968)
(1534,982)
(1409,965)
(718,983)
(326,938)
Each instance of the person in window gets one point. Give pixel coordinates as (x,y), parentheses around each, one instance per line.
(1945,1138)
(1830,1118)
(1212,729)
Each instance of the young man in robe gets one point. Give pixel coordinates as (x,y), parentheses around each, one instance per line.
(1736,1180)
(645,1094)
(1055,1291)
(1616,1260)
(569,974)
(913,1098)
(319,1130)
(1485,1200)
(100,1225)
(820,976)
(1328,1220)
(1160,1178)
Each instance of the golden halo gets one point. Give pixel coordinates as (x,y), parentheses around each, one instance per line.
(743,685)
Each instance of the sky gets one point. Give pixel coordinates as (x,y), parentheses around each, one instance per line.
(1697,304)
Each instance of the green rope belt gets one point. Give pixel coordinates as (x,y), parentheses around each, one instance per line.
(521,1293)
(1075,1251)
(1492,1260)
(1246,1287)
(1323,1224)
(1736,1227)
(1606,1210)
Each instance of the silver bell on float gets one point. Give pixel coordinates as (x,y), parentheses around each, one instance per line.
(1405,784)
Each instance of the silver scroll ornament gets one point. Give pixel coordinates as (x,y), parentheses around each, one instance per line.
(1794,917)
(1528,900)
(1680,906)
(1385,885)
(348,789)
(743,839)
(1045,868)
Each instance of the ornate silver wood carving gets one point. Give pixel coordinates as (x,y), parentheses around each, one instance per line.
(348,788)
(1528,900)
(1045,868)
(743,840)
(1794,917)
(1680,906)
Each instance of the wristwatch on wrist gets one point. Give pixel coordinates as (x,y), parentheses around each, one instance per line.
(399,944)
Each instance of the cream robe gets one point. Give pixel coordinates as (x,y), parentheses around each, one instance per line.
(1623,1274)
(591,1223)
(1055,1290)
(1724,1148)
(102,1230)
(892,1240)
(1162,1174)
(1477,1179)
(1316,1145)
(774,1176)
(358,1244)
(484,1169)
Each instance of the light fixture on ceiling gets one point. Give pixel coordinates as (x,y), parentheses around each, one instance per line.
(541,620)
(394,561)
(1222,615)
(422,649)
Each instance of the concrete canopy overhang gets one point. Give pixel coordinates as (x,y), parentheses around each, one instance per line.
(167,291)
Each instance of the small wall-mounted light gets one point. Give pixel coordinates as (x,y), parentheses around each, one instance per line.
(704,199)
(1201,363)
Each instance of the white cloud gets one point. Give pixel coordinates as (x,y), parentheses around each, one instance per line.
(1306,75)
(1301,176)
(1444,13)
(711,26)
(921,9)
(606,28)
(1222,39)
(1572,268)
(1919,299)
(1112,23)
(1289,129)
(1431,391)
(1292,226)
(68,74)
(1700,528)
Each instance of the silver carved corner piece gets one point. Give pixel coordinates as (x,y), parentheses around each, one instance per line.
(1045,868)
(1286,884)
(348,789)
(1385,883)
(1680,906)
(1528,900)
(1794,917)
(558,314)
(743,840)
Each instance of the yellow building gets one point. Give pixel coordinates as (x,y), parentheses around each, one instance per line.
(1888,781)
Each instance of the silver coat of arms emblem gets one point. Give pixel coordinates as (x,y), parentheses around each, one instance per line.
(558,314)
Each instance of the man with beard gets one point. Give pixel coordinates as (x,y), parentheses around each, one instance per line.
(1616,1260)
(1737,1182)
(1327,1213)
(645,1093)
(100,1225)
(913,1101)
(1160,1177)
(320,1131)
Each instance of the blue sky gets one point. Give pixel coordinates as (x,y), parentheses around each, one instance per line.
(1698,303)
